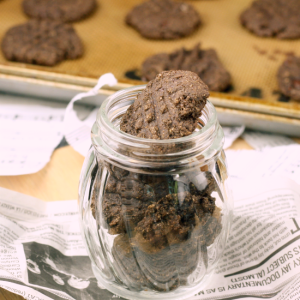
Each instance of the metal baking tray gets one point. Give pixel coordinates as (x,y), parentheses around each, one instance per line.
(112,46)
(63,92)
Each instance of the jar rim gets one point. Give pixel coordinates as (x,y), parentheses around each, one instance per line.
(128,151)
(103,116)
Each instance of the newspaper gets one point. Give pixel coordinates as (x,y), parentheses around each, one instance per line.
(263,250)
(42,254)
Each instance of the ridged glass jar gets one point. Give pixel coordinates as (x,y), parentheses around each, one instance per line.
(155,213)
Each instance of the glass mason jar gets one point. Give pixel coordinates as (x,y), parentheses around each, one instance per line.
(155,214)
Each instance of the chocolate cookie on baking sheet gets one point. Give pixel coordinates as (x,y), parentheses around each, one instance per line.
(60,10)
(288,77)
(41,42)
(164,19)
(205,63)
(273,18)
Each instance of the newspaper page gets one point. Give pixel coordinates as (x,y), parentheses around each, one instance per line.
(42,254)
(263,250)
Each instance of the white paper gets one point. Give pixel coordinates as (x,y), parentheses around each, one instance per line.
(283,160)
(76,131)
(42,253)
(260,141)
(32,230)
(231,134)
(28,136)
(262,254)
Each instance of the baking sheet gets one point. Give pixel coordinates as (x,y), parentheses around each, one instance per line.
(112,46)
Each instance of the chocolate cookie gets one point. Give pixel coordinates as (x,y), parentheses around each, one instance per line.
(168,108)
(60,10)
(164,19)
(205,63)
(41,42)
(289,77)
(273,18)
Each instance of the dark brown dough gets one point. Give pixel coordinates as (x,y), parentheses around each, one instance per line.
(205,63)
(273,18)
(289,77)
(41,42)
(168,108)
(59,10)
(164,19)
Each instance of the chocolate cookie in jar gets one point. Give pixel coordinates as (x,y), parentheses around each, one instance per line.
(155,205)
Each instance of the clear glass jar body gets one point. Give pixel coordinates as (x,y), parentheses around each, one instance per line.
(155,214)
